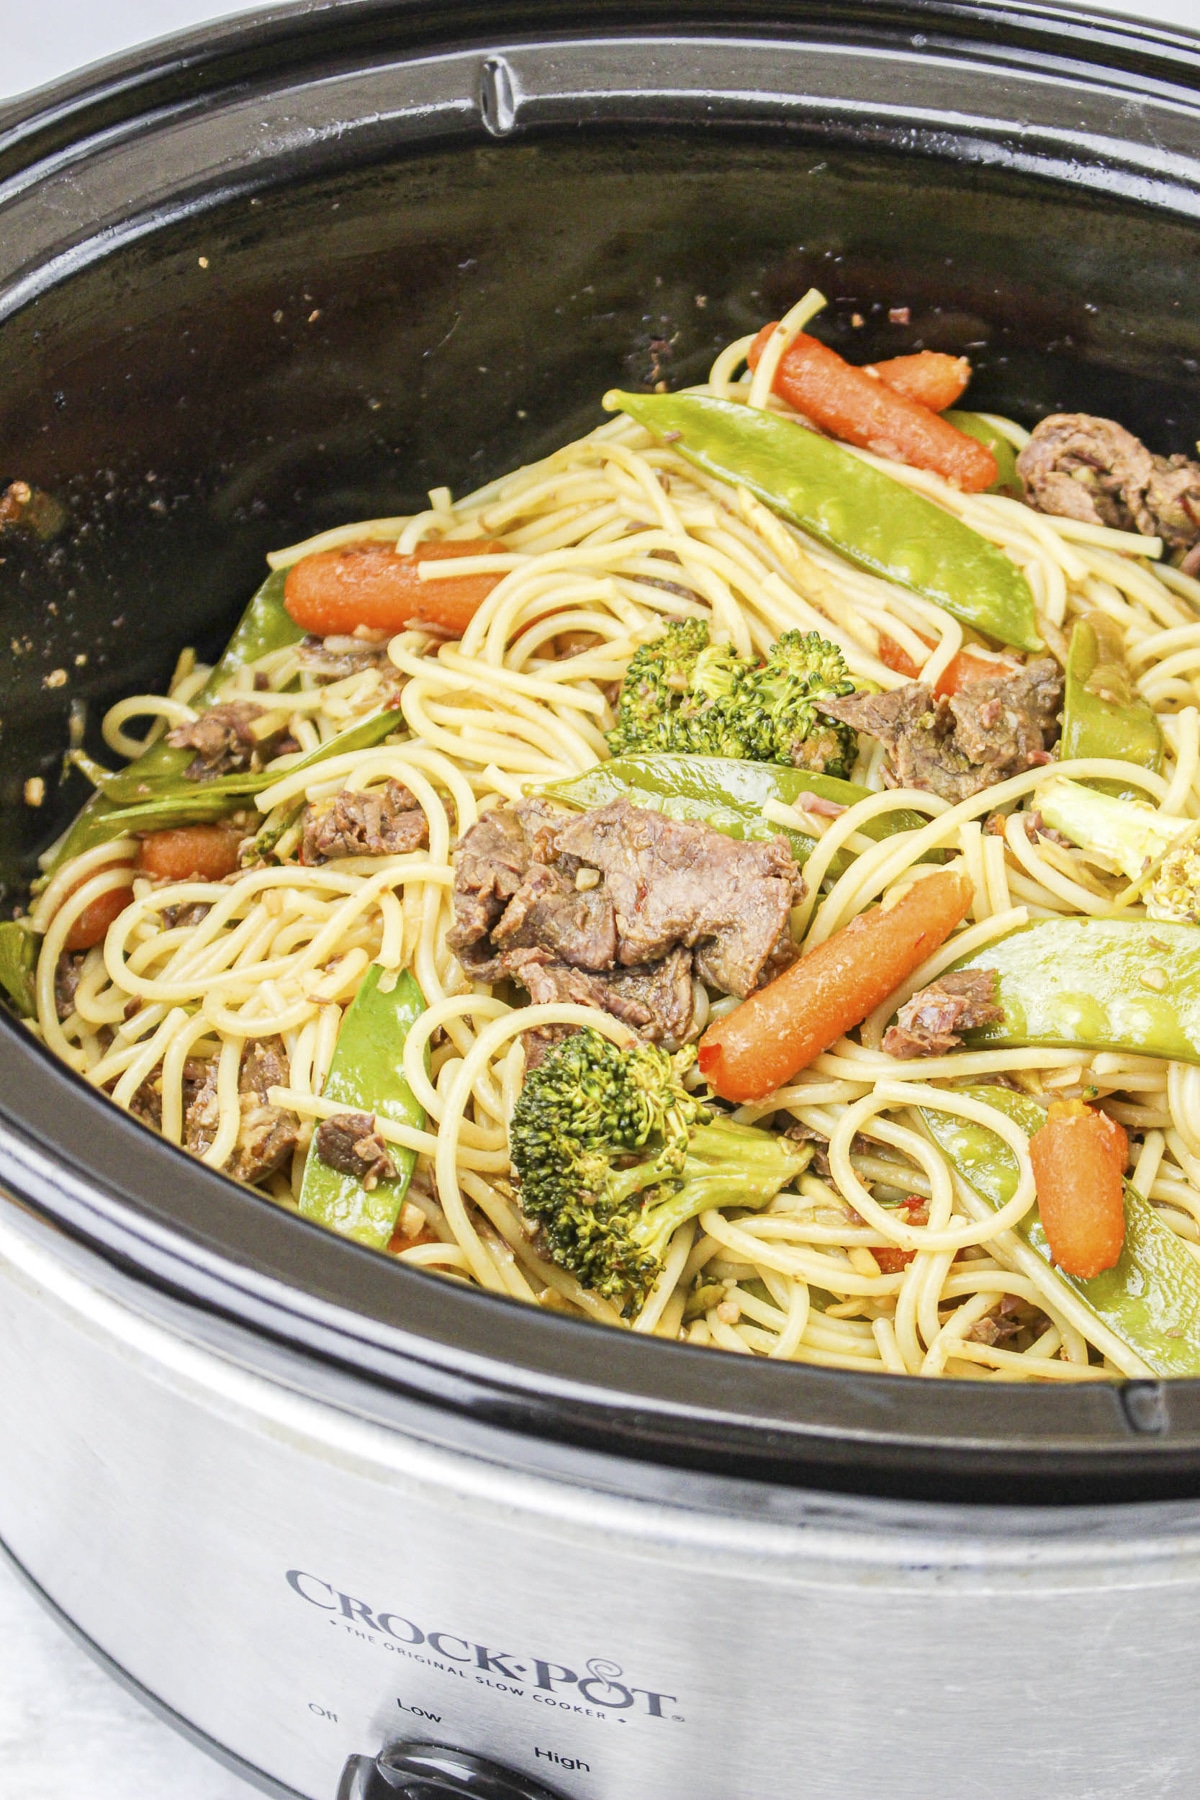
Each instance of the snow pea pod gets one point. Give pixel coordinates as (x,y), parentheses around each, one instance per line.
(721,791)
(127,789)
(1103,713)
(263,627)
(975,425)
(1150,1298)
(1096,984)
(101,820)
(178,802)
(850,505)
(18,959)
(367,1075)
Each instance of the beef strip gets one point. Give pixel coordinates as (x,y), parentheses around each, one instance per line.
(350,1143)
(616,908)
(384,821)
(202,1115)
(268,1134)
(224,742)
(175,918)
(541,1041)
(676,882)
(67,973)
(549,912)
(334,658)
(1081,467)
(933,1021)
(655,999)
(960,745)
(146,1104)
(489,866)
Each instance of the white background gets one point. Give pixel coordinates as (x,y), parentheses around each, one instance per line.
(42,39)
(66,1731)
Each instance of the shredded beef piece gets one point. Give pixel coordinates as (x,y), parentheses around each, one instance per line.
(489,866)
(223,741)
(268,1134)
(334,658)
(933,1021)
(175,917)
(1012,1318)
(541,1040)
(146,1104)
(676,882)
(549,912)
(384,821)
(655,998)
(202,1114)
(351,1144)
(67,974)
(958,746)
(615,908)
(1081,467)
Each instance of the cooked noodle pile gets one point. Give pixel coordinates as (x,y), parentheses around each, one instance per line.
(606,539)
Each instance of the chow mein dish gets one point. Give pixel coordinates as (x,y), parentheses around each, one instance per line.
(737,880)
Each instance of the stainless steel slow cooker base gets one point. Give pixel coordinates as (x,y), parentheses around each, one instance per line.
(200,1523)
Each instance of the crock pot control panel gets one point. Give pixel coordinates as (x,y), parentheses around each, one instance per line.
(434,1772)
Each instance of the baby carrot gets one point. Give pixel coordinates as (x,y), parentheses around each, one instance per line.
(190,853)
(960,672)
(1079,1158)
(334,591)
(861,409)
(930,378)
(781,1029)
(91,927)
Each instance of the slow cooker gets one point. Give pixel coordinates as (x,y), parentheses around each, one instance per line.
(356,1529)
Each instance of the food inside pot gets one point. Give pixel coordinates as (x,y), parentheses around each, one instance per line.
(737,880)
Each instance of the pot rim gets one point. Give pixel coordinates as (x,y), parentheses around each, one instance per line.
(264,1285)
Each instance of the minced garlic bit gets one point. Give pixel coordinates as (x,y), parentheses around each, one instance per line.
(55,679)
(585,879)
(411,1221)
(35,791)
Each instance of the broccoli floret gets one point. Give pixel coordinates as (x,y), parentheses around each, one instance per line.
(1173,892)
(1122,835)
(785,697)
(613,1154)
(657,681)
(683,693)
(1131,839)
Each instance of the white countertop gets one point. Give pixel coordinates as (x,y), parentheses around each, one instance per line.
(67,1730)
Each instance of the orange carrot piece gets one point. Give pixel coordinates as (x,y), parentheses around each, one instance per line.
(930,378)
(860,409)
(891,1261)
(334,591)
(960,672)
(1078,1158)
(190,853)
(781,1029)
(92,925)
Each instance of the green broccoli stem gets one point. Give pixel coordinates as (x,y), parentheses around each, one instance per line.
(727,1165)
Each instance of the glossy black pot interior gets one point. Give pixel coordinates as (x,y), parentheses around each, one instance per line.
(302,269)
